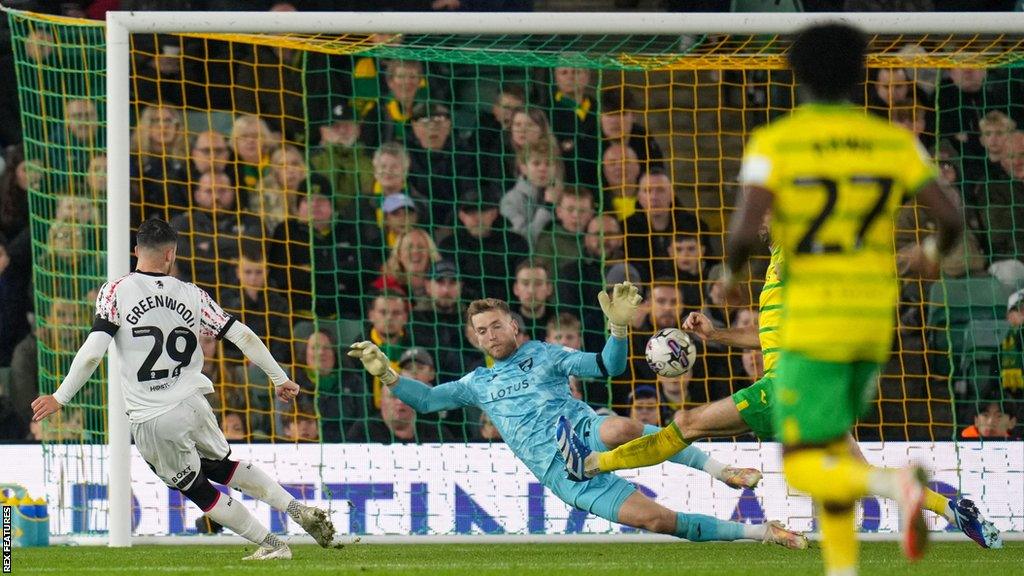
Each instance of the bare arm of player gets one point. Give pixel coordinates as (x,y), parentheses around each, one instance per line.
(86,360)
(256,351)
(702,326)
(743,231)
(924,258)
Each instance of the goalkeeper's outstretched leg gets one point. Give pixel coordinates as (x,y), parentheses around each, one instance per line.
(613,498)
(725,418)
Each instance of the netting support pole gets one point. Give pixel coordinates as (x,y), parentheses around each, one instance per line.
(119,495)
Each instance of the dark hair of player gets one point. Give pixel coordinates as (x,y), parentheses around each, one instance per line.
(828,60)
(155,233)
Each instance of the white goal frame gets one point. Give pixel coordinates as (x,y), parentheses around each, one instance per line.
(119,25)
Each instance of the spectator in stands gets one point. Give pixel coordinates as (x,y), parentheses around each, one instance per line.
(160,71)
(492,133)
(14,185)
(437,163)
(891,89)
(81,137)
(675,390)
(562,240)
(645,405)
(914,119)
(84,212)
(345,161)
(388,324)
(1003,212)
(67,264)
(396,423)
(388,119)
(15,302)
(232,424)
(318,371)
(268,81)
(15,252)
(913,224)
(234,391)
(964,98)
(1011,352)
(264,310)
(996,128)
(621,169)
(575,126)
(579,282)
(619,112)
(212,230)
(209,153)
(316,242)
(281,185)
(159,163)
(400,215)
(483,246)
(251,145)
(564,330)
(302,427)
(753,364)
(24,384)
(533,291)
(715,296)
(437,319)
(391,172)
(992,423)
(687,253)
(529,127)
(527,205)
(409,264)
(651,232)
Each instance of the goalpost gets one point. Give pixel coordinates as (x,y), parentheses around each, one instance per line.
(614,44)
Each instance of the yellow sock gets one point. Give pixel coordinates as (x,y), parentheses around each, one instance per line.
(936,502)
(838,539)
(827,476)
(644,451)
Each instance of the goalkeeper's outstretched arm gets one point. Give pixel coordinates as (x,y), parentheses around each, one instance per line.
(419,396)
(620,308)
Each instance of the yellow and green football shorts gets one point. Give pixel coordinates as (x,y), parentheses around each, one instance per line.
(816,401)
(755,406)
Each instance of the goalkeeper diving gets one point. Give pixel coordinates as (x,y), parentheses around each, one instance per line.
(526,393)
(748,410)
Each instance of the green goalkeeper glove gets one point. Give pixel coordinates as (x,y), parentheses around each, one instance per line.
(375,361)
(620,307)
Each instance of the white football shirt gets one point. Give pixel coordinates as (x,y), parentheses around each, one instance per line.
(156,321)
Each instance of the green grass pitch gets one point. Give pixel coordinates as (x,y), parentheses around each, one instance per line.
(719,559)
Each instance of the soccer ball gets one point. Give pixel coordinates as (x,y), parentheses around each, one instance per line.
(670,353)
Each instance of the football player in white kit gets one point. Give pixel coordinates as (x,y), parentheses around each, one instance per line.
(155,321)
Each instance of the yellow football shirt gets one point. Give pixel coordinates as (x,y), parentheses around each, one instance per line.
(837,175)
(769,305)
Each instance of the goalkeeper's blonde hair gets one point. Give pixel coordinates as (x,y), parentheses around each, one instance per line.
(486,305)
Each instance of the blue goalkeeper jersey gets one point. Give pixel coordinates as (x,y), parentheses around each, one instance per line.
(523,394)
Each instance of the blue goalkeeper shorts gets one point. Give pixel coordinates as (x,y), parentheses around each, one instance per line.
(602,496)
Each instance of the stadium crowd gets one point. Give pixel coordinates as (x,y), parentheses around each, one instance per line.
(375,204)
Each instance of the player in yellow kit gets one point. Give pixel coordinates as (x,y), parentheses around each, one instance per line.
(833,177)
